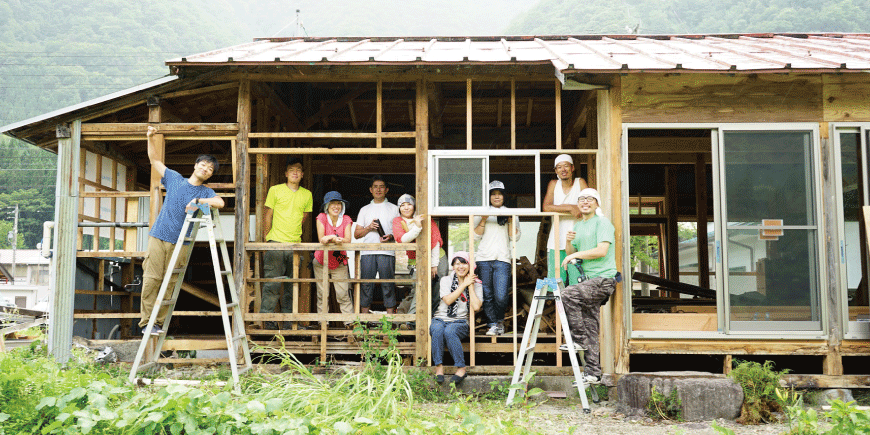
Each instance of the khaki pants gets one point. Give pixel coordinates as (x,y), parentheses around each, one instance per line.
(342,289)
(154,268)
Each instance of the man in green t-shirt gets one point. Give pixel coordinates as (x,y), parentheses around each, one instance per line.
(287,207)
(590,246)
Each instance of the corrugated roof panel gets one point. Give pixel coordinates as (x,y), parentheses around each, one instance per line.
(756,52)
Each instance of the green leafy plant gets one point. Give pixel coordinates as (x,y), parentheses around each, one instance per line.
(664,407)
(523,392)
(759,383)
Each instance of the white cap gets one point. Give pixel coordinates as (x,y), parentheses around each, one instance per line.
(563,158)
(496,185)
(593,193)
(406,198)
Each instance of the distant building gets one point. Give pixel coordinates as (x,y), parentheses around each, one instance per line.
(31,272)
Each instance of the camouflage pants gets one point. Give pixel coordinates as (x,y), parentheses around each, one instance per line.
(582,308)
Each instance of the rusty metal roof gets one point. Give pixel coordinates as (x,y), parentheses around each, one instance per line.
(654,53)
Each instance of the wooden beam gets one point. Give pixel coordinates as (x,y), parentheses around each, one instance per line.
(423,286)
(578,120)
(243,117)
(280,108)
(513,114)
(701,210)
(436,99)
(673,346)
(558,114)
(333,135)
(155,116)
(197,91)
(335,105)
(200,293)
(139,129)
(468,120)
(529,113)
(672,257)
(321,151)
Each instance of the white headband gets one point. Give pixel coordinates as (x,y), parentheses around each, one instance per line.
(563,158)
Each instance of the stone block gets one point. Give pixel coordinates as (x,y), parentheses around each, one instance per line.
(703,396)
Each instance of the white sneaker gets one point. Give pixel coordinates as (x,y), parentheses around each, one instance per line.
(499,329)
(156,330)
(493,330)
(577,348)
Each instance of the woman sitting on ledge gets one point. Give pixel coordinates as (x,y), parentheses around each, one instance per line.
(450,321)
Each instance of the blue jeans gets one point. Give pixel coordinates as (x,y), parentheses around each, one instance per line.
(450,334)
(496,277)
(385,267)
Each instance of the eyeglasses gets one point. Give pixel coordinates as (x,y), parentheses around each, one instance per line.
(586,199)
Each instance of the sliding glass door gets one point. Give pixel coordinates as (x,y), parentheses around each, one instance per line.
(770,227)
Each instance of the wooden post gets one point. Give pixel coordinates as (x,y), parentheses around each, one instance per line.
(557,245)
(614,320)
(513,114)
(63,263)
(833,361)
(423,286)
(379,117)
(512,230)
(701,207)
(243,180)
(155,115)
(468,119)
(558,104)
(672,257)
(471,320)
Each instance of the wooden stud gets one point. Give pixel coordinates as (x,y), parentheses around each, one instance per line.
(468,120)
(498,109)
(727,364)
(529,113)
(243,180)
(352,114)
(513,114)
(379,115)
(558,320)
(701,210)
(423,285)
(471,318)
(333,151)
(512,230)
(558,104)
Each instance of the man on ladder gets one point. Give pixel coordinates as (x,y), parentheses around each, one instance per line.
(182,195)
(591,245)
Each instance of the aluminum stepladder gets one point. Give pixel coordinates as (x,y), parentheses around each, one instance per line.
(547,289)
(236,338)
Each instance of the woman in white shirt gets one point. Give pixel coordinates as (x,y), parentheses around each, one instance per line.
(493,257)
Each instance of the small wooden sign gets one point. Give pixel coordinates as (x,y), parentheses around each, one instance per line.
(772,234)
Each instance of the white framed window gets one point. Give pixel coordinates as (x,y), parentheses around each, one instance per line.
(459,181)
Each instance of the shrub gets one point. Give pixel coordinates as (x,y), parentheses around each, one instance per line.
(759,383)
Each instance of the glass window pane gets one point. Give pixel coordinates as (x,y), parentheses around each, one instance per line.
(852,190)
(769,176)
(773,280)
(460,182)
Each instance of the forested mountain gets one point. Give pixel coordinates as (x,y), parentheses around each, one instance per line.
(559,17)
(57,53)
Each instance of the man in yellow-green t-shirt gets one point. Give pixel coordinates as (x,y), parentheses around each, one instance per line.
(287,207)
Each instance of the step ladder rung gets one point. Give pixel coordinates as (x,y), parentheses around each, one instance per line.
(179,270)
(168,302)
(146,365)
(232,304)
(226,273)
(244,369)
(547,298)
(189,239)
(238,337)
(529,350)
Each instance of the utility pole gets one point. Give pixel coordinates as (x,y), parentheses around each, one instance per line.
(13,239)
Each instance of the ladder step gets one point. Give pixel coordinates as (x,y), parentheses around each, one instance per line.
(244,369)
(179,270)
(232,304)
(226,272)
(168,302)
(548,298)
(189,239)
(529,350)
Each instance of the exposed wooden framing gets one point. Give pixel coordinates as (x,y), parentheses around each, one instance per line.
(155,116)
(81,200)
(614,345)
(423,285)
(529,113)
(110,254)
(277,103)
(131,214)
(352,151)
(830,285)
(110,151)
(113,208)
(498,112)
(472,352)
(335,105)
(436,97)
(468,124)
(558,321)
(197,91)
(168,129)
(678,346)
(558,104)
(672,257)
(578,120)
(379,115)
(513,113)
(701,207)
(352,115)
(243,117)
(333,135)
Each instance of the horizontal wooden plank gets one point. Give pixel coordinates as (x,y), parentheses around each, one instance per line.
(114,194)
(721,98)
(332,135)
(110,254)
(117,315)
(131,138)
(845,97)
(352,280)
(727,347)
(367,151)
(674,322)
(167,129)
(102,293)
(270,246)
(331,317)
(204,90)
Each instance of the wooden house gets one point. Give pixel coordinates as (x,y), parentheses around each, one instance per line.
(736,163)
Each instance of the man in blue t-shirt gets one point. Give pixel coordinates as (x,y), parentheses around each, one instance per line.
(181,196)
(591,245)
